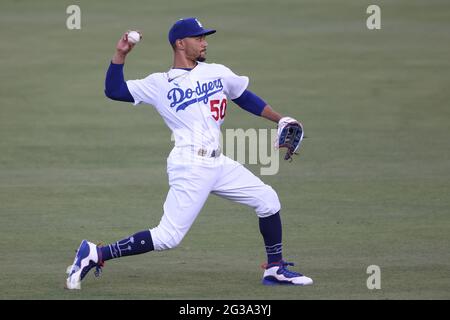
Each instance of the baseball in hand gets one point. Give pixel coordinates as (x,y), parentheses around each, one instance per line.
(134,37)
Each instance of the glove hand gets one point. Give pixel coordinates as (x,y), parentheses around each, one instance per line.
(290,136)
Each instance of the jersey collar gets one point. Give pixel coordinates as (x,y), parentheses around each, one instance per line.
(175,73)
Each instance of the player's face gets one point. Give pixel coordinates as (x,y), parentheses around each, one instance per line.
(195,48)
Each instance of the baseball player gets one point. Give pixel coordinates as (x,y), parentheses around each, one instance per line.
(192,98)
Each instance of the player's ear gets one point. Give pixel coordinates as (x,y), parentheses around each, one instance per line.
(179,44)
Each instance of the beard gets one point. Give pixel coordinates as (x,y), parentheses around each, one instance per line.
(202,56)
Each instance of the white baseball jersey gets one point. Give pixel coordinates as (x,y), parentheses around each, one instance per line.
(192,103)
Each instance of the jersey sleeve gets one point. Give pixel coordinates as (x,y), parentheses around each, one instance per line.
(234,85)
(143,90)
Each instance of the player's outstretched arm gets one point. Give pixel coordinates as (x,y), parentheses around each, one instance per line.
(252,103)
(271,114)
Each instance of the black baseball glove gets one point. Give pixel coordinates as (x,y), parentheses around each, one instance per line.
(290,136)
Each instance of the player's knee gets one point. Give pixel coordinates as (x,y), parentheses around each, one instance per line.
(164,239)
(269,203)
(170,243)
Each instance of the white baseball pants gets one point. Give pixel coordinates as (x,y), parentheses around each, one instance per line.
(192,178)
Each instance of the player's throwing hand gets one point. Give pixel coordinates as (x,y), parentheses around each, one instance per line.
(123,47)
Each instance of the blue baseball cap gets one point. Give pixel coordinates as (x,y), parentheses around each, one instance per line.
(187,27)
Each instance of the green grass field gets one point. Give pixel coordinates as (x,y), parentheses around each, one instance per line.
(371,186)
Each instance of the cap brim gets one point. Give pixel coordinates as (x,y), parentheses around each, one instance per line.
(205,32)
